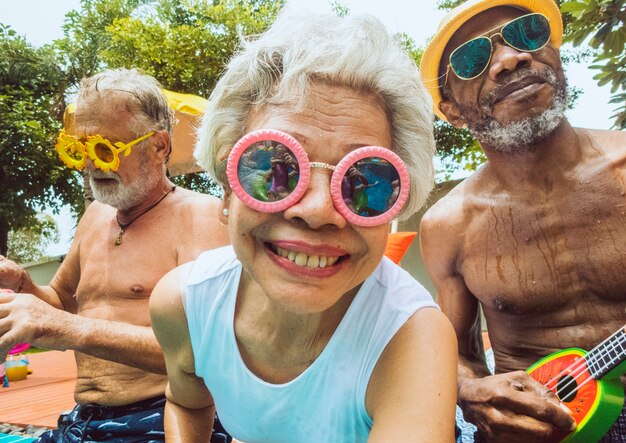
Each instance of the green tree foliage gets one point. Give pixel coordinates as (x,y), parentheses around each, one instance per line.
(27,244)
(601,23)
(184,44)
(31,101)
(456,147)
(85,36)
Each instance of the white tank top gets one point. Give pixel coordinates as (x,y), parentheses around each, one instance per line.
(325,403)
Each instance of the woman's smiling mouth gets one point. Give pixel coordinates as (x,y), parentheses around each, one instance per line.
(324,260)
(304,260)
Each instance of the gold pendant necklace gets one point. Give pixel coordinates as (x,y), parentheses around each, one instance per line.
(123,226)
(118,239)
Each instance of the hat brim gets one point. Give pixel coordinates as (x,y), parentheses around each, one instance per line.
(431,59)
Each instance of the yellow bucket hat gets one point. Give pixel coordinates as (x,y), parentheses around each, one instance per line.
(431,59)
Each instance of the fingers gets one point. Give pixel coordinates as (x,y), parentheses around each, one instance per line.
(11,274)
(533,400)
(6,297)
(514,428)
(507,426)
(8,339)
(14,322)
(512,406)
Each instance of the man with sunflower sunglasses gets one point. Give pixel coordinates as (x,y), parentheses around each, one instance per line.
(139,228)
(537,236)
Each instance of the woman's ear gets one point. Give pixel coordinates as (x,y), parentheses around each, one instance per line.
(224,207)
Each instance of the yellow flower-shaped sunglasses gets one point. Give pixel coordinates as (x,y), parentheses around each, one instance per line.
(105,155)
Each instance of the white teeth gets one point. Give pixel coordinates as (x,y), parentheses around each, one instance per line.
(304,260)
(301,259)
(313,261)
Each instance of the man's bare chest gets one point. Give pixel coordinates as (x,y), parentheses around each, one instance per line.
(531,256)
(123,272)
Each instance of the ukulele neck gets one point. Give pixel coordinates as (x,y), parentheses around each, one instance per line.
(607,355)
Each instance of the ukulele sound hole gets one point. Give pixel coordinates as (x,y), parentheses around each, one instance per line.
(566,388)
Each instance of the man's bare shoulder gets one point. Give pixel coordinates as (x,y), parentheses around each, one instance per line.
(195,219)
(604,134)
(189,207)
(452,201)
(453,208)
(610,142)
(440,226)
(96,214)
(96,209)
(192,200)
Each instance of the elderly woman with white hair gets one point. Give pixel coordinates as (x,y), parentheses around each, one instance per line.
(320,134)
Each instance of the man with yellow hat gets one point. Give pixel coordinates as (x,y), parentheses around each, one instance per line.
(537,236)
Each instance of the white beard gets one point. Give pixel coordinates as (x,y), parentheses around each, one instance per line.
(516,136)
(519,136)
(122,196)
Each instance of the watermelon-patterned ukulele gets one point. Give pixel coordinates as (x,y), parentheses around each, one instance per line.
(588,384)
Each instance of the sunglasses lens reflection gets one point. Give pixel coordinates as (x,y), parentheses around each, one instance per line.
(268,171)
(528,33)
(75,150)
(104,152)
(471,58)
(370,187)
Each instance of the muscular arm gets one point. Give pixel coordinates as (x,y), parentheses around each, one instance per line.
(439,253)
(24,318)
(41,317)
(36,314)
(411,395)
(189,411)
(508,407)
(17,279)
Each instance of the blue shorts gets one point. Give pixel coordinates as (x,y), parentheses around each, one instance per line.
(140,422)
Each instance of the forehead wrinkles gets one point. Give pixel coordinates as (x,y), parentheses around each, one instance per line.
(326,107)
(104,110)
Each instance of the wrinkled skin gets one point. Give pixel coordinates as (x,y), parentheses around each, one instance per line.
(537,238)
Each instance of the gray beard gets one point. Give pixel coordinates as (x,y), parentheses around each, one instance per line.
(122,196)
(520,136)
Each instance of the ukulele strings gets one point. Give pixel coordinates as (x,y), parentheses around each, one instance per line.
(580,363)
(590,378)
(580,370)
(577,369)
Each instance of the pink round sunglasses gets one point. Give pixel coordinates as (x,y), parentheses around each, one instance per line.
(269,171)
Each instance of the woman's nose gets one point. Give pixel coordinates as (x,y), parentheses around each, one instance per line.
(316,208)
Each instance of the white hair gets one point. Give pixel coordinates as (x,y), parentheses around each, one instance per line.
(150,106)
(352,51)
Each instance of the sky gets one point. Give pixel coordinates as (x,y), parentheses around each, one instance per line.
(40,21)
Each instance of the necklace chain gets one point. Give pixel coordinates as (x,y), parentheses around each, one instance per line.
(123,226)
